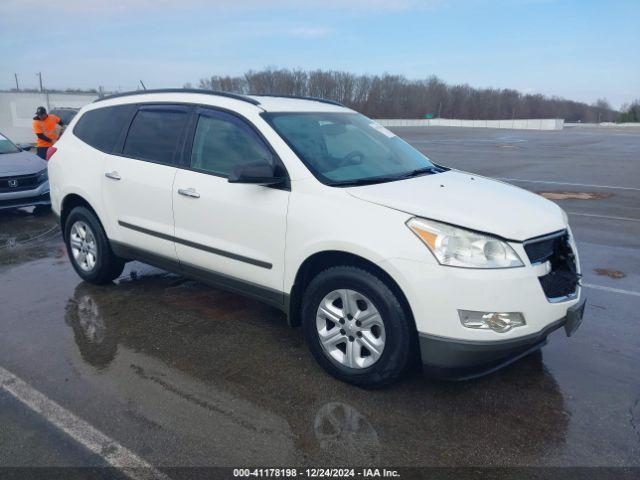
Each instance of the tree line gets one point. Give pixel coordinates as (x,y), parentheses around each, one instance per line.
(395,96)
(55,90)
(630,113)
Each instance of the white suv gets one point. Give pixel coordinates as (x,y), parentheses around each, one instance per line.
(380,254)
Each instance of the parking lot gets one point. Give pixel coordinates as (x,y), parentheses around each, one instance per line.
(175,373)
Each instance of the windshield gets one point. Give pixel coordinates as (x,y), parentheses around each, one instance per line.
(7,146)
(349,148)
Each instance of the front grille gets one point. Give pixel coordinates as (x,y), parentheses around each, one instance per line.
(21,182)
(563,279)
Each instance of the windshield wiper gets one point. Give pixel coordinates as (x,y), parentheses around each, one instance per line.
(420,171)
(390,178)
(364,181)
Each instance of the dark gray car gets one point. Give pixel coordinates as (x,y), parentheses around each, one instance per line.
(23,177)
(65,114)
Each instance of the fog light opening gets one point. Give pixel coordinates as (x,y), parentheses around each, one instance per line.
(500,322)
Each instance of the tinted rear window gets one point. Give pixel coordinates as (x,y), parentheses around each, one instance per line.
(154,134)
(102,127)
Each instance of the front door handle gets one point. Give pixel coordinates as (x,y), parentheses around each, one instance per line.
(113,175)
(189,192)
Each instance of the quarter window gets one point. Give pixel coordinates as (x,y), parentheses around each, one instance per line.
(101,128)
(154,133)
(223,141)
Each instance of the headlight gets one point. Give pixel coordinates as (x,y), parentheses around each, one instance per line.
(457,247)
(43,176)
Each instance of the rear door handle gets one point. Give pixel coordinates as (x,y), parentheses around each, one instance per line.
(189,192)
(113,175)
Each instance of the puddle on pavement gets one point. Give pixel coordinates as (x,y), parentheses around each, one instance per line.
(28,236)
(218,353)
(231,370)
(574,195)
(202,363)
(607,272)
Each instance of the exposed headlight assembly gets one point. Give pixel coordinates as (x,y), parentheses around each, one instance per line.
(458,247)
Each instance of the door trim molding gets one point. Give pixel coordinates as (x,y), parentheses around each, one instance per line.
(267,295)
(198,246)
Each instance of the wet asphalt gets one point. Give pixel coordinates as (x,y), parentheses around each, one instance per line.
(186,375)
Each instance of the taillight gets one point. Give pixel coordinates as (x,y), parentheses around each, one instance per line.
(50,152)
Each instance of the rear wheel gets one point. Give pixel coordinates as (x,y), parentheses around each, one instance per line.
(356,327)
(88,248)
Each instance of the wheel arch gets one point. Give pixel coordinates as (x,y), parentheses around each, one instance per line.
(320,261)
(71,201)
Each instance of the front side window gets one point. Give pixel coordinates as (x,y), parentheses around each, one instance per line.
(154,133)
(223,141)
(101,128)
(344,149)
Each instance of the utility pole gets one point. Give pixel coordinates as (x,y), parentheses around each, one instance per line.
(40,77)
(439,109)
(17,85)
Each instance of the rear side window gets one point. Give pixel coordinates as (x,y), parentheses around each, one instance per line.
(223,141)
(155,132)
(101,128)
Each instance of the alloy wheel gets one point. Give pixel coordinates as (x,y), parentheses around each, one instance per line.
(84,247)
(350,328)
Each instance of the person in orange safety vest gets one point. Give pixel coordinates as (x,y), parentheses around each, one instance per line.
(44,127)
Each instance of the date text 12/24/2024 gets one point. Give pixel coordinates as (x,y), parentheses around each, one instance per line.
(315,473)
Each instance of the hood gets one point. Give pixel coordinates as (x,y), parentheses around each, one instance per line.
(470,201)
(20,163)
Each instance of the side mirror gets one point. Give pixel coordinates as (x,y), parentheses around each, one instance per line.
(25,147)
(257,173)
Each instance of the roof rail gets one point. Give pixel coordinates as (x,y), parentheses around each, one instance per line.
(235,96)
(299,97)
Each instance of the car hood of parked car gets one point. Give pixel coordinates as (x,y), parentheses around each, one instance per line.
(469,201)
(20,163)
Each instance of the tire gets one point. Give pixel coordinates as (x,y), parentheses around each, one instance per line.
(95,262)
(41,210)
(392,342)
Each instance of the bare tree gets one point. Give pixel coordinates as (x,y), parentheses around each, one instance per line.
(394,96)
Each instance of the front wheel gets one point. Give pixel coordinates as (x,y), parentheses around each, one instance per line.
(356,327)
(40,210)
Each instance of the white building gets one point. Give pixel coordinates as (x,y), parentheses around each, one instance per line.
(18,108)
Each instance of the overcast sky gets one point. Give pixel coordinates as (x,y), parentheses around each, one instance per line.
(577,49)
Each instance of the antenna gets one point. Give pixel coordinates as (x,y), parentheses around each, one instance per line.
(142,83)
